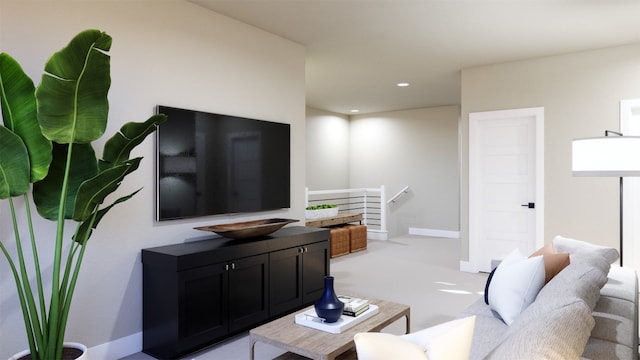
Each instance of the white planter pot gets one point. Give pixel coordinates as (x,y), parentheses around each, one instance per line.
(321,213)
(84,356)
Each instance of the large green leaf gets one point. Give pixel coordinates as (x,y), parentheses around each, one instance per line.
(46,193)
(14,165)
(17,97)
(85,228)
(72,96)
(93,191)
(118,149)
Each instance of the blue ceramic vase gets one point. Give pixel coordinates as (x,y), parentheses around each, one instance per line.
(329,307)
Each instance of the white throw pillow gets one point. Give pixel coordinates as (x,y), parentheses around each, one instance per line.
(383,346)
(447,341)
(450,340)
(515,285)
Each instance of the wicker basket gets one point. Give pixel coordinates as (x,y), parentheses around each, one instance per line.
(357,237)
(339,241)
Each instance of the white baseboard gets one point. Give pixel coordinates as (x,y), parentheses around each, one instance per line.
(377,235)
(117,348)
(466,266)
(435,233)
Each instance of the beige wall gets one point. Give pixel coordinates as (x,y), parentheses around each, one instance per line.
(164,52)
(580,94)
(327,150)
(416,147)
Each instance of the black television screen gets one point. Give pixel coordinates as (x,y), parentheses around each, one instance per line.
(209,164)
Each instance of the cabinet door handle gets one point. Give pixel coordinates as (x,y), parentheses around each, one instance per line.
(233,266)
(306,249)
(301,250)
(226,267)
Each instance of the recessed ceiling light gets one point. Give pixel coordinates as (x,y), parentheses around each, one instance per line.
(402,84)
(355,110)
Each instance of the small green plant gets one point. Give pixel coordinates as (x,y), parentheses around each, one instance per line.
(321,206)
(46,150)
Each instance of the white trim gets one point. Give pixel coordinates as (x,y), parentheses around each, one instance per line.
(449,234)
(466,266)
(117,348)
(474,120)
(377,235)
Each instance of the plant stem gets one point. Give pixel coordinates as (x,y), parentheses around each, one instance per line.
(54,348)
(34,329)
(82,244)
(36,265)
(23,305)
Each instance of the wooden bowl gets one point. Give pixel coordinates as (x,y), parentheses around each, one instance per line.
(247,229)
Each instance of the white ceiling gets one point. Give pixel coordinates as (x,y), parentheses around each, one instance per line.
(357,50)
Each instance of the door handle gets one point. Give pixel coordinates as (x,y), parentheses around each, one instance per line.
(530,205)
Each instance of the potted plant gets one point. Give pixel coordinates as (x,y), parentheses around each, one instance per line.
(321,211)
(46,151)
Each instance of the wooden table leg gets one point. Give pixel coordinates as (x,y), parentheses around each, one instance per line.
(252,347)
(407,316)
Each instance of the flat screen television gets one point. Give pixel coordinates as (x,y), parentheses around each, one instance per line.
(211,164)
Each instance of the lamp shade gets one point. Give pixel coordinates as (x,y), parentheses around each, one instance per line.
(606,156)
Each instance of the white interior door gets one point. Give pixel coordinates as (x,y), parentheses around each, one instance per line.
(506,194)
(630,126)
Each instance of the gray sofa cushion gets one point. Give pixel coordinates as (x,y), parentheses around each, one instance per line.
(488,330)
(577,280)
(615,307)
(598,349)
(559,335)
(580,249)
(622,284)
(612,327)
(615,335)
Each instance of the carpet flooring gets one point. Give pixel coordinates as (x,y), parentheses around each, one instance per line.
(419,271)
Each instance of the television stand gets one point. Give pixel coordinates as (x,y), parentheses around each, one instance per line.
(198,293)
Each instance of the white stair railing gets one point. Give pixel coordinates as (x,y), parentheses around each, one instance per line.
(371,202)
(397,196)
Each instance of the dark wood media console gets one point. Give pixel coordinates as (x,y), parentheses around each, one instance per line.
(198,293)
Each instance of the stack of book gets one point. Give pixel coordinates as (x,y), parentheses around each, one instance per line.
(353,306)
